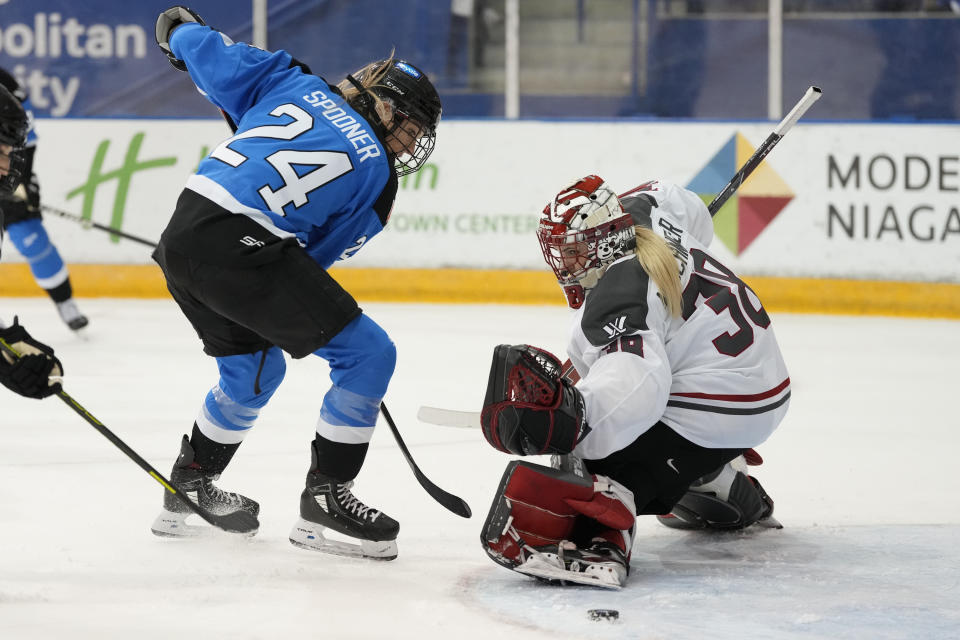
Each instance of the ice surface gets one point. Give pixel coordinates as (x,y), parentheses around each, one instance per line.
(863,471)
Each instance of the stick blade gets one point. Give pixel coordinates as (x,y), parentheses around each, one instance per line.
(237,522)
(449,501)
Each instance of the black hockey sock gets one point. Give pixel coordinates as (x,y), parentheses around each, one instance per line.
(212,457)
(337,460)
(62,292)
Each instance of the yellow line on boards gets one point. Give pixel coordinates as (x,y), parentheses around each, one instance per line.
(466,286)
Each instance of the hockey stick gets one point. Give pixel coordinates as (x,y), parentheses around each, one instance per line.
(448,500)
(812,95)
(90,223)
(237,522)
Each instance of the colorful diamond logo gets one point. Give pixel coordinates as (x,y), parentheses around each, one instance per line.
(759,200)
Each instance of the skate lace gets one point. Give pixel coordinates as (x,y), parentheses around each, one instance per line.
(349,502)
(219,495)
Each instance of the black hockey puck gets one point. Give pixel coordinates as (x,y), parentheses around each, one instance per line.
(604,614)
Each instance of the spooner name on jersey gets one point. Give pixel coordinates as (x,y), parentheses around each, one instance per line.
(353,130)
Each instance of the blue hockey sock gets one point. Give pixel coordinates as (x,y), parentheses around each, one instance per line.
(33,243)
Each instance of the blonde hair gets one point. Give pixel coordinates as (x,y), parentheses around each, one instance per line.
(657,260)
(368,77)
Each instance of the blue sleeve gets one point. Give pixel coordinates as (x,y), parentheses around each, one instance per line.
(31,132)
(231,75)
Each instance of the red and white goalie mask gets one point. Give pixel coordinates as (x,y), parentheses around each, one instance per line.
(582,231)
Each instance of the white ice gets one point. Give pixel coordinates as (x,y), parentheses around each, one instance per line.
(863,470)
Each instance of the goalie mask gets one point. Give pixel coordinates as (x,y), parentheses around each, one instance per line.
(582,231)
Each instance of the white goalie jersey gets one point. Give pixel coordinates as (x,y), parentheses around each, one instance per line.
(715,375)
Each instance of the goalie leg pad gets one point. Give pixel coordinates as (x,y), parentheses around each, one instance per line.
(537,506)
(727,499)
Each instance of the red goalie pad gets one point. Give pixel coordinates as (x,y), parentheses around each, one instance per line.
(537,506)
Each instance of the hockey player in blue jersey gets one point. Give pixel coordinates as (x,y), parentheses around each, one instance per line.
(24,224)
(34,373)
(309,177)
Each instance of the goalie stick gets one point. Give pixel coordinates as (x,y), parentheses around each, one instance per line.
(237,522)
(471,419)
(449,417)
(812,95)
(90,223)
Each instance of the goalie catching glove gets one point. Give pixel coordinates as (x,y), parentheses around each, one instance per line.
(529,408)
(166,23)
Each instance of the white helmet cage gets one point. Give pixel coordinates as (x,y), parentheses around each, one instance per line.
(582,231)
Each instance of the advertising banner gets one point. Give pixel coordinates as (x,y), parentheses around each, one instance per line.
(839,201)
(99,57)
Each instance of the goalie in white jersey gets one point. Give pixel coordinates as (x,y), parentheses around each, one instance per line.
(676,374)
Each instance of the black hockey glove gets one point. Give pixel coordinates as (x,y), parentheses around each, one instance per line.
(29,374)
(15,174)
(24,199)
(529,409)
(166,23)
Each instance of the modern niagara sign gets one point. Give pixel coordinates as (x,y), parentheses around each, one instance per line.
(862,203)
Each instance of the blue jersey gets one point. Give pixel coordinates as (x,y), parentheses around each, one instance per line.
(303,163)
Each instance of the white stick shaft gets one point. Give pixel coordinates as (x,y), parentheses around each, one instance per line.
(812,95)
(449,417)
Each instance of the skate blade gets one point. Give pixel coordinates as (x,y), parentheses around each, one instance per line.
(769,523)
(174,525)
(309,535)
(546,568)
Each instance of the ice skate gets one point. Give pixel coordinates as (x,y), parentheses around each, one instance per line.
(199,487)
(603,564)
(328,504)
(726,499)
(71,315)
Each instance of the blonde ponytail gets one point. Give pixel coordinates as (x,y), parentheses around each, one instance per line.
(657,260)
(368,77)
